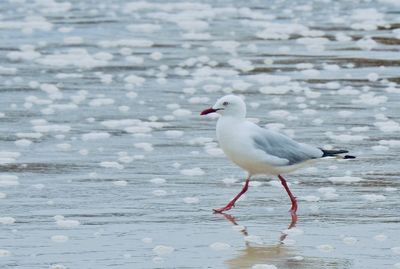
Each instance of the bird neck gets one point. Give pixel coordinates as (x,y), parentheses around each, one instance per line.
(228,119)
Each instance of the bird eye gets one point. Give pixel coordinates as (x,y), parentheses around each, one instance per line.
(225,103)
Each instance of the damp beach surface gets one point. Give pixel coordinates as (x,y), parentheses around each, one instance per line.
(106,163)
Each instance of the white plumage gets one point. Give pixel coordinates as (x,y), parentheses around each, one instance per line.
(258,150)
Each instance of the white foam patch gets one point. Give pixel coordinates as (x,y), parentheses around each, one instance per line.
(277,183)
(120,183)
(390,143)
(325,248)
(64,223)
(74,57)
(59,238)
(135,60)
(264,79)
(395,250)
(101,102)
(156,56)
(328,193)
(296,258)
(144,28)
(57,266)
(134,43)
(275,90)
(73,40)
(345,179)
(192,25)
(200,141)
(144,146)
(39,186)
(310,198)
(366,43)
(389,126)
(196,36)
(304,66)
(181,112)
(3,195)
(47,128)
(279,113)
(229,180)
(254,183)
(370,99)
(191,200)
(380,237)
(366,19)
(138,129)
(26,55)
(310,73)
(159,192)
(134,80)
(373,197)
(29,135)
(345,137)
(360,129)
(8,180)
(173,133)
(213,151)
(242,65)
(7,220)
(263,266)
(147,240)
(309,111)
(220,246)
(4,253)
(275,126)
(390,189)
(111,164)
(157,180)
(64,146)
(8,70)
(199,100)
(192,172)
(350,240)
(345,113)
(23,143)
(163,250)
(58,217)
(124,109)
(95,136)
(380,148)
(226,45)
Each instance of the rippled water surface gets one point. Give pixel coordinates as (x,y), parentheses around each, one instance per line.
(106,163)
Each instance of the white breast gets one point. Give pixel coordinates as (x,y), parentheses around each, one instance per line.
(237,146)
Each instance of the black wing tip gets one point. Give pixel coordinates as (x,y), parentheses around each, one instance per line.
(328,153)
(349,157)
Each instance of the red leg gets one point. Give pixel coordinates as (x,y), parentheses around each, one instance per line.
(232,203)
(293,209)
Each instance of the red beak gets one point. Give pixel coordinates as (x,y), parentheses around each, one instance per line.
(208,111)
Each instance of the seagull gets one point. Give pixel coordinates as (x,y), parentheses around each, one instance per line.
(258,150)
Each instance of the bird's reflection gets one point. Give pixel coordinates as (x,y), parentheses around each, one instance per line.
(279,254)
(283,236)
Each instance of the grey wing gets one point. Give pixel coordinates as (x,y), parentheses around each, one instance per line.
(281,146)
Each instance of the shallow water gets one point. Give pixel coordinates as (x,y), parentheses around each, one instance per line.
(106,163)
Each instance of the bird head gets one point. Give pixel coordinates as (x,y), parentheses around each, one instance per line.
(228,105)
